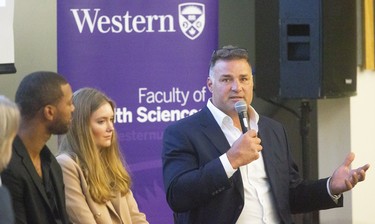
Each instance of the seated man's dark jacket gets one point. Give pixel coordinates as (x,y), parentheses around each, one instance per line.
(30,201)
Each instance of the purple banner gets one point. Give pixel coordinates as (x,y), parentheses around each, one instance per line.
(152,58)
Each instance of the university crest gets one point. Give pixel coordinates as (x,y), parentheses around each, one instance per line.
(191,17)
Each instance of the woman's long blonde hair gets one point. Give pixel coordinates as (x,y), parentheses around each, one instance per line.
(104,169)
(9,124)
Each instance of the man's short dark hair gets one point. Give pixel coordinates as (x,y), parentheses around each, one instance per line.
(37,90)
(228,53)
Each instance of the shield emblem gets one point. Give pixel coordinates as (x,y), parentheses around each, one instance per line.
(191,17)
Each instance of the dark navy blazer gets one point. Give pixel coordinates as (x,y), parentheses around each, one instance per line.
(197,187)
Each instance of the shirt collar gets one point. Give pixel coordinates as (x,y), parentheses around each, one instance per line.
(220,115)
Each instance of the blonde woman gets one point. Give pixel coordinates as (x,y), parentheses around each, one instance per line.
(97,185)
(9,123)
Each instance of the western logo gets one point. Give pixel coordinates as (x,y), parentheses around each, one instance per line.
(191,19)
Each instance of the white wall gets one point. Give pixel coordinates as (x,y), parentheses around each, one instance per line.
(344,125)
(35,44)
(333,146)
(362,115)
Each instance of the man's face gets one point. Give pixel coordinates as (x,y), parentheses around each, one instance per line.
(64,110)
(232,81)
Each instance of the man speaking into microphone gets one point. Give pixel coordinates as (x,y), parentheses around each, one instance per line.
(216,171)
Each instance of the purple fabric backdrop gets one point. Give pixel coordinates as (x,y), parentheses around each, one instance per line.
(152,58)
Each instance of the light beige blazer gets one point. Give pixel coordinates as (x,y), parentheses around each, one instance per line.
(82,209)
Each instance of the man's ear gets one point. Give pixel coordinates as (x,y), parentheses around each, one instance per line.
(49,112)
(209,84)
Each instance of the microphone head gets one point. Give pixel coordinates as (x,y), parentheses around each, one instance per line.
(240,106)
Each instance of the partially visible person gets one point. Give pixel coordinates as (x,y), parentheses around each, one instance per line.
(9,123)
(213,173)
(97,185)
(33,176)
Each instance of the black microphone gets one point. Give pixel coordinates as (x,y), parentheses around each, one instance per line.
(241,109)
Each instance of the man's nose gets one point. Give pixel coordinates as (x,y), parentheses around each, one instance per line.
(236,85)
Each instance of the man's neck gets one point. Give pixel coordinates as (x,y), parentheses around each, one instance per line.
(34,138)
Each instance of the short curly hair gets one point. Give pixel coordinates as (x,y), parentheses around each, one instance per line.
(37,90)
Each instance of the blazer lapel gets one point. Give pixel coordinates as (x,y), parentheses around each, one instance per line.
(20,149)
(271,162)
(111,204)
(58,186)
(268,159)
(213,131)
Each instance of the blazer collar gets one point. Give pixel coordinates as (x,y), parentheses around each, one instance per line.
(212,130)
(269,153)
(115,203)
(20,150)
